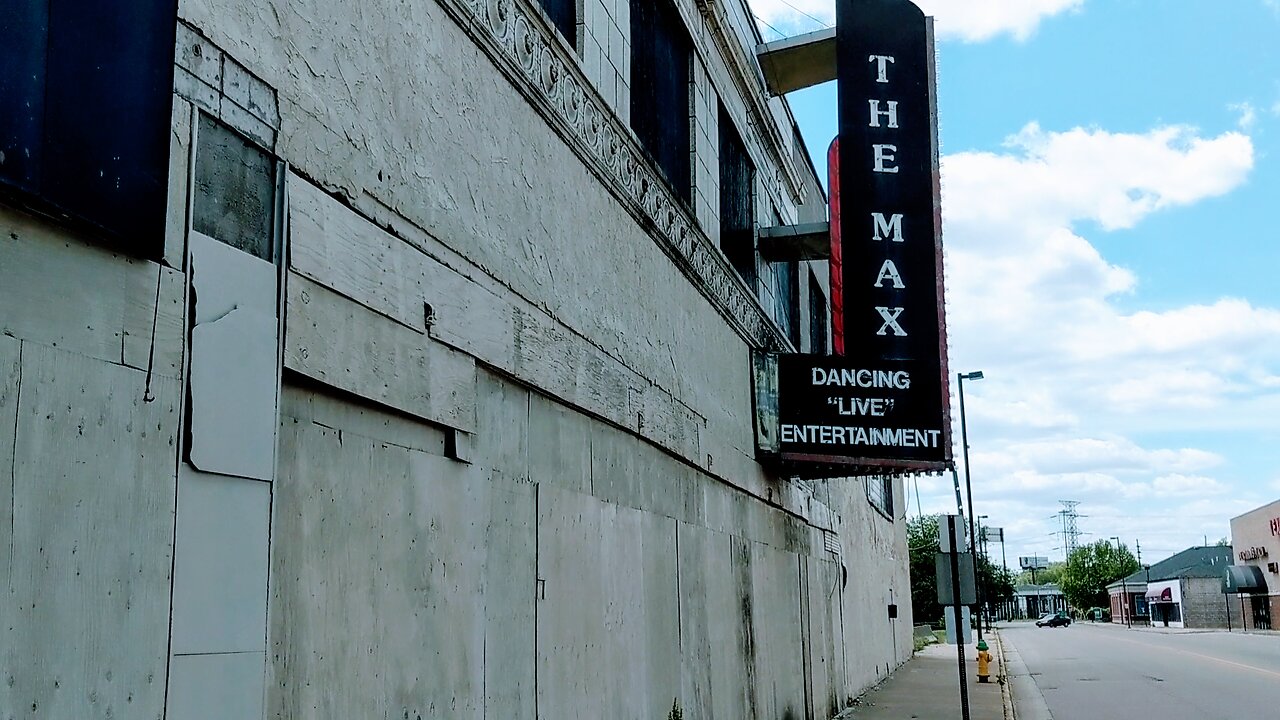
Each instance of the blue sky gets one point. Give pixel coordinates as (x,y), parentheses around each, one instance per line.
(1110,171)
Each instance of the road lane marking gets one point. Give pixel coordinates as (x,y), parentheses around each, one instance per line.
(1206,657)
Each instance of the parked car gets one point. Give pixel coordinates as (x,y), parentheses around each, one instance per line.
(1060,619)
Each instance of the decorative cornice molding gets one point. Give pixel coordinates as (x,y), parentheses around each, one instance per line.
(517,38)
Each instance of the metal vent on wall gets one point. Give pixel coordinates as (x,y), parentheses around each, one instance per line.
(831,542)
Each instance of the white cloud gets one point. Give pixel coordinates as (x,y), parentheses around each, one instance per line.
(1077,387)
(970,20)
(1050,179)
(1248,115)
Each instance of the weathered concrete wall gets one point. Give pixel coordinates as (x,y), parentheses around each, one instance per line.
(873,549)
(516,474)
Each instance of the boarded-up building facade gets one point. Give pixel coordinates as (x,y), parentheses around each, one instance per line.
(425,392)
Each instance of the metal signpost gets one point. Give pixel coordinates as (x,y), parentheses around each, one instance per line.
(955,589)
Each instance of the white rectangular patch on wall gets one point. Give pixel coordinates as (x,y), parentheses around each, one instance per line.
(234,361)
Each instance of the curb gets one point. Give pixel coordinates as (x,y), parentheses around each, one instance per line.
(1002,677)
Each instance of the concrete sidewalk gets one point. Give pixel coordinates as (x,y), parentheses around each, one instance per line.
(928,687)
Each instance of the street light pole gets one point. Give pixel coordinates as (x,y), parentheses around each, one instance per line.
(1124,591)
(964,442)
(982,545)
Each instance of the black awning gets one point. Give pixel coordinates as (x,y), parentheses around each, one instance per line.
(1244,579)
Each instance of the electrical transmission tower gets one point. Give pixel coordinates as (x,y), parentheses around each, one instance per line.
(1070,526)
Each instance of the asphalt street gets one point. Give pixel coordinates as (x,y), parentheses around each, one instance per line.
(1098,673)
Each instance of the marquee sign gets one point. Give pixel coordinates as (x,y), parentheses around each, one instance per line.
(881,403)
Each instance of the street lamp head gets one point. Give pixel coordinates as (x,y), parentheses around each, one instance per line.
(975,375)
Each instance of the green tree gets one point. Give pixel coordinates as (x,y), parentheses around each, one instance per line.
(922,538)
(1091,568)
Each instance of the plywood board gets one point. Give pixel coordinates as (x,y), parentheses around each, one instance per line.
(175,232)
(332,245)
(378,599)
(779,687)
(84,632)
(501,441)
(333,409)
(79,297)
(628,471)
(573,680)
(559,445)
(234,361)
(608,624)
(510,596)
(216,687)
(340,343)
(220,572)
(10,378)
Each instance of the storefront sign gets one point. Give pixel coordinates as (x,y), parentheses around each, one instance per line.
(832,411)
(1253,553)
(888,399)
(1275,526)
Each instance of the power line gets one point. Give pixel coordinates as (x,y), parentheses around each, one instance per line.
(764,22)
(823,23)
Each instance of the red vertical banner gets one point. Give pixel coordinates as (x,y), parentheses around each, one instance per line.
(836,263)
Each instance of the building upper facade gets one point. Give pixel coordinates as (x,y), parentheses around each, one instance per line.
(605,166)
(1255,540)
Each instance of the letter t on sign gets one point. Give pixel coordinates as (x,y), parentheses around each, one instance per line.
(882,68)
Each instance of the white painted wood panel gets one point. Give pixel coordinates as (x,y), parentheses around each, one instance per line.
(234,361)
(60,290)
(84,630)
(216,687)
(220,574)
(341,343)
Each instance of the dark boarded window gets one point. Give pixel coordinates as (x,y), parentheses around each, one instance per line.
(737,201)
(235,190)
(817,318)
(85,96)
(660,100)
(880,493)
(786,299)
(86,90)
(564,15)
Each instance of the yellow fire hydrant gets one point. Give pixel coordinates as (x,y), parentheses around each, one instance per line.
(984,662)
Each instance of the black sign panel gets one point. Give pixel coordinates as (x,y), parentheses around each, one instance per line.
(889,230)
(834,410)
(86,92)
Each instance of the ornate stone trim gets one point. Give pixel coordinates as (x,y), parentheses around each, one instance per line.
(518,40)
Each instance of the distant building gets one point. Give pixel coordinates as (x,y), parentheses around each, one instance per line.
(1032,601)
(1253,585)
(1184,590)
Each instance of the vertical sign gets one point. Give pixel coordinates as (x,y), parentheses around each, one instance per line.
(889,221)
